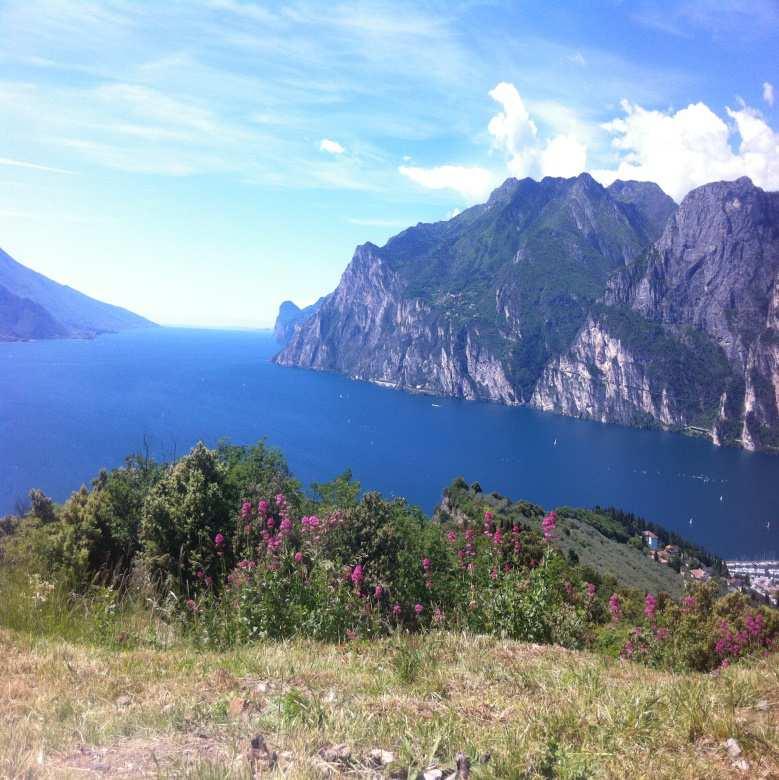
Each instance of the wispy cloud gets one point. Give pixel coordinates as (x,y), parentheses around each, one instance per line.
(734,20)
(33,166)
(768,93)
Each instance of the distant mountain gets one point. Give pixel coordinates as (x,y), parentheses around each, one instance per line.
(290,315)
(35,307)
(606,303)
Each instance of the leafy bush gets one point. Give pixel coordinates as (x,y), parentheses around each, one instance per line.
(187,518)
(239,564)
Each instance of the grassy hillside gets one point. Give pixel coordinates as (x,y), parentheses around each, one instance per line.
(537,712)
(630,567)
(604,540)
(207,618)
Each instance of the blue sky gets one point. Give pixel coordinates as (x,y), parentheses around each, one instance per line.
(198,161)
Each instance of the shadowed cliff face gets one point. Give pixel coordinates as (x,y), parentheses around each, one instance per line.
(575,299)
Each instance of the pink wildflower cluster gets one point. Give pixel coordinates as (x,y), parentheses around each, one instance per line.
(650,606)
(732,644)
(548,525)
(516,532)
(689,603)
(357,576)
(468,551)
(426,566)
(639,645)
(615,607)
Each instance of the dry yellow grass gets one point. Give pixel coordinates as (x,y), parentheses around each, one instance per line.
(68,710)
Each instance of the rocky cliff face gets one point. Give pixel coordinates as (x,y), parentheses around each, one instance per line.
(600,378)
(610,304)
(714,274)
(290,315)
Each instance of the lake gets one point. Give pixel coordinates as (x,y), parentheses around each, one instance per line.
(68,408)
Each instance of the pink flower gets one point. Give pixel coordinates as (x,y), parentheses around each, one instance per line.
(662,634)
(591,589)
(426,563)
(271,522)
(298,557)
(396,610)
(357,576)
(451,537)
(310,522)
(497,537)
(615,607)
(548,525)
(262,507)
(688,603)
(378,592)
(650,606)
(418,608)
(754,624)
(219,540)
(246,510)
(488,516)
(438,616)
(200,574)
(191,605)
(280,500)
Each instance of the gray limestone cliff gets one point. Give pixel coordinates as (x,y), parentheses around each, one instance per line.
(707,287)
(605,303)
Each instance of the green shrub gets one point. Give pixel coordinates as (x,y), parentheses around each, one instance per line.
(183,515)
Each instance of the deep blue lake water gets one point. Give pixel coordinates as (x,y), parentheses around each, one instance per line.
(68,408)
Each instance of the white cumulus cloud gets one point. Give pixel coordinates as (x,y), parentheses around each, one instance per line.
(512,128)
(693,146)
(331,147)
(679,150)
(472,182)
(563,155)
(515,132)
(768,92)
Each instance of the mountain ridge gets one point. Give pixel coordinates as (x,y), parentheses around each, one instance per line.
(613,304)
(32,306)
